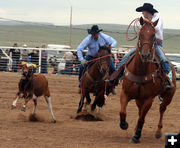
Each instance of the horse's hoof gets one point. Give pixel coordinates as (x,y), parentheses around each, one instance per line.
(134,140)
(78,111)
(23,109)
(158,135)
(13,107)
(54,121)
(124,125)
(93,108)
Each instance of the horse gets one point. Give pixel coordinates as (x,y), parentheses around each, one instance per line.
(94,80)
(143,81)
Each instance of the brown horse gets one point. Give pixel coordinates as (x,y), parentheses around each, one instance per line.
(144,80)
(94,80)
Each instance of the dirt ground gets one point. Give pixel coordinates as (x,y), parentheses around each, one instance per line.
(17,131)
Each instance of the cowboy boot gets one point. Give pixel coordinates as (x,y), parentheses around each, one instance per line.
(116,75)
(169,83)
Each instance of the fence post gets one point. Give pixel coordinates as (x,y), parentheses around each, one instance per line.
(40,60)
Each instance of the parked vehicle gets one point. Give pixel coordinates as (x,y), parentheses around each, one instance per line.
(175,60)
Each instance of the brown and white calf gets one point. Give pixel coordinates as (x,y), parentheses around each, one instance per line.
(32,86)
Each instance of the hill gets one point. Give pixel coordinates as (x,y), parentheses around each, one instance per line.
(38,34)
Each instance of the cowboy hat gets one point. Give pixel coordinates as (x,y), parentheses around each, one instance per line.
(147,7)
(94,29)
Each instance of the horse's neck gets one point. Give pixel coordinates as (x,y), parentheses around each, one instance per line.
(139,68)
(94,72)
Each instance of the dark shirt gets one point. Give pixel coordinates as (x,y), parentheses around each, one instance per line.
(34,58)
(15,53)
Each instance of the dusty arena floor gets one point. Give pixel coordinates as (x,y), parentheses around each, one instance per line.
(16,131)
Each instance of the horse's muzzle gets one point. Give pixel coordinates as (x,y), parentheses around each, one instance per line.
(145,57)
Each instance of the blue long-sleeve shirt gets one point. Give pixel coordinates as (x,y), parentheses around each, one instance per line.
(93,45)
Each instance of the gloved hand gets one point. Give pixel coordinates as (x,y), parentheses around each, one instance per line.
(83,62)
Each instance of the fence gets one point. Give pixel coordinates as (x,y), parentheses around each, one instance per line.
(47,60)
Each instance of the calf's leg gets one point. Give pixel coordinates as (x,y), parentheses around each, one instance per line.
(13,106)
(48,100)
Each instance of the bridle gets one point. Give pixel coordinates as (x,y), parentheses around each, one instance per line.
(100,63)
(105,72)
(151,46)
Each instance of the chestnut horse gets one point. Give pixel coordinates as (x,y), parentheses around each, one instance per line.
(94,80)
(144,80)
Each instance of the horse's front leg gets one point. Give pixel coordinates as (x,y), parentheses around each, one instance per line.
(123,101)
(88,101)
(143,111)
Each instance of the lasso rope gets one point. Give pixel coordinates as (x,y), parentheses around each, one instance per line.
(136,26)
(96,59)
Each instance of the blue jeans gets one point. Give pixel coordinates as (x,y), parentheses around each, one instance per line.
(44,66)
(126,57)
(15,65)
(163,59)
(88,58)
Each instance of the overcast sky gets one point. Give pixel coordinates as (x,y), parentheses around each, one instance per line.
(87,11)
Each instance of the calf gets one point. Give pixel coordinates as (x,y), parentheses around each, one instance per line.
(32,86)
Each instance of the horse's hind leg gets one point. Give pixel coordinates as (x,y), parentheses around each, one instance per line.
(162,109)
(88,101)
(124,101)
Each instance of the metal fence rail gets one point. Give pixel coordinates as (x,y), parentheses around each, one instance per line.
(11,59)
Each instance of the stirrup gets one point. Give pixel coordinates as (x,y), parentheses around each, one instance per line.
(169,84)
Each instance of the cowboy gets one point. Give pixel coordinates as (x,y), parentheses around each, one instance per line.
(151,14)
(95,39)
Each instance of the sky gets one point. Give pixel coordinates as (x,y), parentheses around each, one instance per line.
(87,11)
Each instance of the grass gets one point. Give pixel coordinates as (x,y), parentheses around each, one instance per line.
(35,36)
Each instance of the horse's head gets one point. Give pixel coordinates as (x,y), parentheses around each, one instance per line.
(104,58)
(146,39)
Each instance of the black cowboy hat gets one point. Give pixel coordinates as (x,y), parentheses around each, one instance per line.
(147,7)
(94,29)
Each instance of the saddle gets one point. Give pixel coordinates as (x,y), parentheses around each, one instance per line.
(124,72)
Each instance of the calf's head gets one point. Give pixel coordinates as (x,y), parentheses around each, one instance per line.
(27,70)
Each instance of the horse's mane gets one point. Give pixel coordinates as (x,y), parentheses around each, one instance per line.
(105,48)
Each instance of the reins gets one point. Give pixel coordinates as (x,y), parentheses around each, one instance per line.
(70,67)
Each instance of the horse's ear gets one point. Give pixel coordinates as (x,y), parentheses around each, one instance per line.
(141,21)
(155,23)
